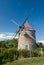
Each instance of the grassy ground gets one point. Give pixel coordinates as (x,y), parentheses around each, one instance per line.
(28,61)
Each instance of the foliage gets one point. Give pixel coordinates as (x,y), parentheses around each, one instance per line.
(39,45)
(13,43)
(7,55)
(25,53)
(9,52)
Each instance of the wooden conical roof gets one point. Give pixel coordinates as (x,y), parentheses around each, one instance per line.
(27,25)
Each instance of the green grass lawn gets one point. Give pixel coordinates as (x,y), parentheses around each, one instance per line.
(28,61)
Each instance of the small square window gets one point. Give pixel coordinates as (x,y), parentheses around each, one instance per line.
(26,46)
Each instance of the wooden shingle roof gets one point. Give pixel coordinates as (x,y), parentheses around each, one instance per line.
(27,25)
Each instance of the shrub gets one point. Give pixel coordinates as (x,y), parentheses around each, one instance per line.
(1,58)
(14,52)
(34,53)
(25,53)
(8,55)
(37,52)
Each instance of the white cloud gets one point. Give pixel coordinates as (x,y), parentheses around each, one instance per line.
(2,35)
(42,41)
(6,35)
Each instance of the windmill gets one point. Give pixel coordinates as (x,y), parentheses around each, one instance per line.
(26,35)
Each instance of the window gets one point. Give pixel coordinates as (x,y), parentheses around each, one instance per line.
(26,46)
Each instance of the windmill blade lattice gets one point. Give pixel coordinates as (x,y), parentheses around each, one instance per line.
(15,22)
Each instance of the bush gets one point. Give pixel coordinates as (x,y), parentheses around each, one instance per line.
(1,58)
(24,53)
(14,52)
(37,53)
(8,55)
(27,53)
(34,53)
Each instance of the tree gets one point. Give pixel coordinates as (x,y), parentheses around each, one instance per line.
(13,43)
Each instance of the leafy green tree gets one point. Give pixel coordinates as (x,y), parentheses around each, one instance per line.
(13,43)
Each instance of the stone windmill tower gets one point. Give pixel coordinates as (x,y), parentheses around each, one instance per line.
(26,38)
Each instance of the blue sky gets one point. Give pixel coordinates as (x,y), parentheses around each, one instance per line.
(18,10)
